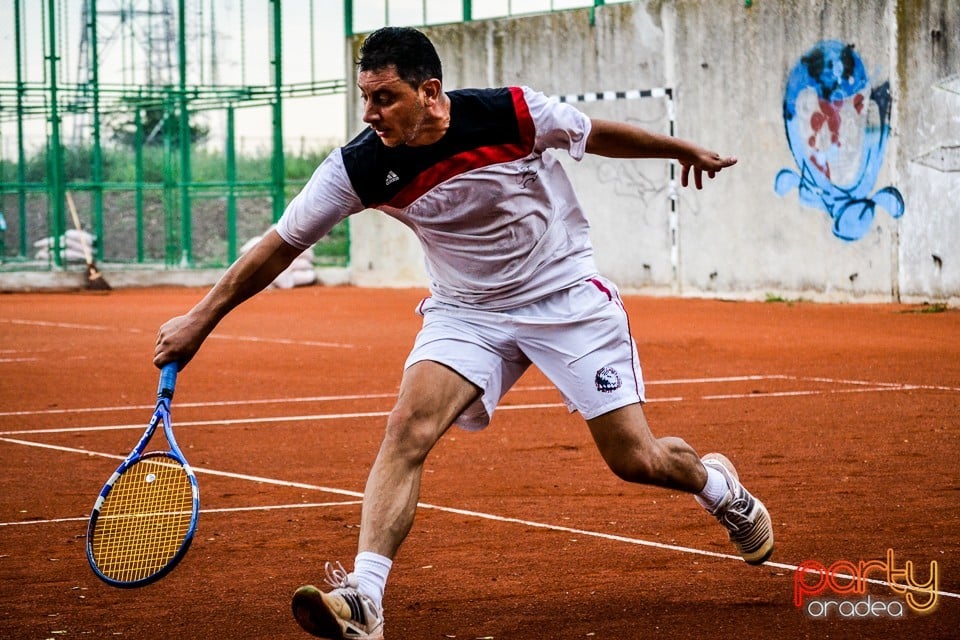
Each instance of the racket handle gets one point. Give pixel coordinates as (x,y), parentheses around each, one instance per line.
(168,380)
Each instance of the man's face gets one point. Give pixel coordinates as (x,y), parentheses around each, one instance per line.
(392,108)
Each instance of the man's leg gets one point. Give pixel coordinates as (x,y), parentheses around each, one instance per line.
(431,397)
(635,455)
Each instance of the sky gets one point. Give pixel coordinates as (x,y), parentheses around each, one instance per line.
(242,45)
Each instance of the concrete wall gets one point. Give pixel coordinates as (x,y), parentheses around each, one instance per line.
(730,68)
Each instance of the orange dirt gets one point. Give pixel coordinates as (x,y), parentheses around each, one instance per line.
(844,419)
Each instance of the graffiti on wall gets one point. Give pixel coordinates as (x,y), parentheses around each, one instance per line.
(837,128)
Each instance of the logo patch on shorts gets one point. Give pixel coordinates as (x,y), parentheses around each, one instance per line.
(608,380)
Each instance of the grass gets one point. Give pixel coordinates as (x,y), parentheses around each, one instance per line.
(927,307)
(776,298)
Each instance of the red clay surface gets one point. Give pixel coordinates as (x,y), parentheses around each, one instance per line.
(844,419)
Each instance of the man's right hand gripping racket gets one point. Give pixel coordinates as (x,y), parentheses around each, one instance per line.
(144,520)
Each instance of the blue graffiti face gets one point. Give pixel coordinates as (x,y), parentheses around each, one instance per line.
(837,130)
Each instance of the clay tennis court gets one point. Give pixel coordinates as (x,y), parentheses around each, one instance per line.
(844,419)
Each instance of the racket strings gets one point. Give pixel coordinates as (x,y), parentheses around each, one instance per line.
(143,520)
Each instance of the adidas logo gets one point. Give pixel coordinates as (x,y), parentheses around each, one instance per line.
(391,178)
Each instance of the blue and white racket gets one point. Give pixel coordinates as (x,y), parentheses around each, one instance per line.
(144,519)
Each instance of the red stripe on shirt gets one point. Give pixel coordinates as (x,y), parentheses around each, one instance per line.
(474,158)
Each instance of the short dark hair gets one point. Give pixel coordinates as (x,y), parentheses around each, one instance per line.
(405,48)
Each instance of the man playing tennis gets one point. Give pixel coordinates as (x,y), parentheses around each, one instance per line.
(513,283)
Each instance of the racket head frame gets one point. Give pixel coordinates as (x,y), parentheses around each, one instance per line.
(161,416)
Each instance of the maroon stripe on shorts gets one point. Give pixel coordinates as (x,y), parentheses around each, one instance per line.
(600,285)
(610,296)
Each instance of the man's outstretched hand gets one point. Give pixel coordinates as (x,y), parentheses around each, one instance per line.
(708,162)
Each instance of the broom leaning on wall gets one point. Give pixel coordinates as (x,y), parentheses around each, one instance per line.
(93,279)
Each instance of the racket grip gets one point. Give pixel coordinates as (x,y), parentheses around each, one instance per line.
(168,380)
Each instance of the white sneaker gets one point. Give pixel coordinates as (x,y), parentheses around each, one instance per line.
(744,517)
(341,614)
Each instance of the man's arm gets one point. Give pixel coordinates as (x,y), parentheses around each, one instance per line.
(622,140)
(179,339)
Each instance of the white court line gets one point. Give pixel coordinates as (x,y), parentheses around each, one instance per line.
(884,386)
(506,407)
(868,387)
(308,343)
(67,325)
(217,403)
(266,420)
(899,385)
(216,336)
(275,507)
(478,514)
(809,392)
(772,376)
(232,403)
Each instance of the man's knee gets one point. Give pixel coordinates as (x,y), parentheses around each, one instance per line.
(409,436)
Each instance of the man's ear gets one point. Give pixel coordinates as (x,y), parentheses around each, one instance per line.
(431,90)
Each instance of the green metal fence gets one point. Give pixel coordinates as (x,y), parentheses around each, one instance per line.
(153,195)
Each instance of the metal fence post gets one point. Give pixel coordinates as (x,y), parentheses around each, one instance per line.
(231,187)
(186,239)
(97,165)
(278,166)
(21,151)
(138,178)
(54,146)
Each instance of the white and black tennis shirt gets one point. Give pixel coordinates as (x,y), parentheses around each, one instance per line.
(496,214)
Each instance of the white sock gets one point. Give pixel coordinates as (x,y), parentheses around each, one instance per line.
(371,571)
(714,491)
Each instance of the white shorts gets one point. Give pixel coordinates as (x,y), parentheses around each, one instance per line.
(579,338)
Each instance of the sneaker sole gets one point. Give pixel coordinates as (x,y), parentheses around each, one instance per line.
(762,554)
(313,615)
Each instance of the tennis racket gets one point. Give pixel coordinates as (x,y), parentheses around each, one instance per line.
(144,519)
